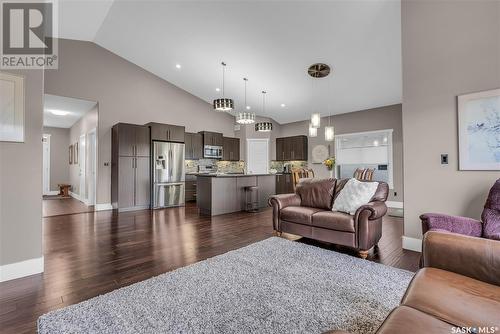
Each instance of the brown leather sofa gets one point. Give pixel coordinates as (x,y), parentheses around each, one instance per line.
(456,291)
(308,213)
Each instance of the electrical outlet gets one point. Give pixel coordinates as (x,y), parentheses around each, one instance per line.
(395,193)
(444,159)
(106,164)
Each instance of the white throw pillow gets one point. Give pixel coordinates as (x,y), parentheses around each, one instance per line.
(354,194)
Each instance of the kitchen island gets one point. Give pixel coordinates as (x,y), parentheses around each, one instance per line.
(218,194)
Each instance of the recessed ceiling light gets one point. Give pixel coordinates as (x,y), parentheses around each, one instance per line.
(375,143)
(283,105)
(178,65)
(217,89)
(248,107)
(58,112)
(385,139)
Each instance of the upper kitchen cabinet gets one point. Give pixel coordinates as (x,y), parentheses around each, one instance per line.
(212,138)
(291,148)
(131,140)
(194,146)
(167,132)
(231,149)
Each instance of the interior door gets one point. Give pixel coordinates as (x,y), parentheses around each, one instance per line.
(257,156)
(82,150)
(46,164)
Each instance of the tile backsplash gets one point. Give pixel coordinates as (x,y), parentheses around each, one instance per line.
(222,166)
(280,165)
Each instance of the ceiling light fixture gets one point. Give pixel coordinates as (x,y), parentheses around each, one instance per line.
(58,112)
(316,120)
(245,117)
(217,89)
(178,66)
(283,105)
(223,103)
(264,126)
(248,107)
(313,132)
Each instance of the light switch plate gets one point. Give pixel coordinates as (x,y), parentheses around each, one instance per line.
(444,159)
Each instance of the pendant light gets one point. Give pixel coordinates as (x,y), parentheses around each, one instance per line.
(316,120)
(329,131)
(263,126)
(245,117)
(313,132)
(223,104)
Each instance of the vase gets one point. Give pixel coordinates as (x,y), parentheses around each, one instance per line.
(331,173)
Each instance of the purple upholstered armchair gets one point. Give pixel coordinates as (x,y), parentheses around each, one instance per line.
(489,228)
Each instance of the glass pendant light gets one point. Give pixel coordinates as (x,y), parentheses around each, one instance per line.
(263,126)
(329,131)
(245,117)
(316,120)
(313,132)
(223,103)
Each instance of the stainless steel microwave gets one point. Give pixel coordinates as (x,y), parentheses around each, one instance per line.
(212,152)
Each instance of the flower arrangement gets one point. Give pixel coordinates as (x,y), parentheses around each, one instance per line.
(329,163)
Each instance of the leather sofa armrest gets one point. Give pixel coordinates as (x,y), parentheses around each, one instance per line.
(279,202)
(284,200)
(377,210)
(454,224)
(477,258)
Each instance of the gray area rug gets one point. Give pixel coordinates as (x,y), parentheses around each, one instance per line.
(273,286)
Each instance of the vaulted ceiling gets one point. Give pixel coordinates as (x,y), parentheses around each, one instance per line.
(272,43)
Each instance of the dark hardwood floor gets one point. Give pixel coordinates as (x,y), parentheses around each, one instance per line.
(89,254)
(57,206)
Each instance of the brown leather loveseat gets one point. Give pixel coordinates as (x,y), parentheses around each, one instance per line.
(308,213)
(456,291)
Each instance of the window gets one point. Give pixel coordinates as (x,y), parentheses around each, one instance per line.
(365,150)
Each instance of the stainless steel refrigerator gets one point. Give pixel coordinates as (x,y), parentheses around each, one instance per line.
(168,174)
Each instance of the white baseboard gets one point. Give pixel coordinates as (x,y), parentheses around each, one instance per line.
(52,193)
(394,204)
(78,197)
(412,244)
(103,207)
(21,269)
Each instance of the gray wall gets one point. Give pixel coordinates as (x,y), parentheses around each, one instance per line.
(388,117)
(82,127)
(59,166)
(125,93)
(21,181)
(449,48)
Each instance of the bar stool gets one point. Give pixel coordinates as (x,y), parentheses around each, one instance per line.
(251,199)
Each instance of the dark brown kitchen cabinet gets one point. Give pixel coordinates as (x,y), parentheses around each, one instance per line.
(193,146)
(230,149)
(130,167)
(291,148)
(132,140)
(167,132)
(212,138)
(284,184)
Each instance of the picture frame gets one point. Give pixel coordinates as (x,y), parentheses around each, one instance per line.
(70,154)
(75,153)
(479,130)
(12,107)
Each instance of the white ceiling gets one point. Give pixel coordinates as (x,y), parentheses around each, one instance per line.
(270,42)
(75,109)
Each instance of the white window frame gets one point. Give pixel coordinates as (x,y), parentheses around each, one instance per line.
(388,132)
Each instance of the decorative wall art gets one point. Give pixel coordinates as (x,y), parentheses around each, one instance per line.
(11,107)
(479,130)
(75,153)
(70,154)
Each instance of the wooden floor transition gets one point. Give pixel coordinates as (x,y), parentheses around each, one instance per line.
(57,206)
(89,254)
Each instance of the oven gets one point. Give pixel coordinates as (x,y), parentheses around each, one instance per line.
(212,152)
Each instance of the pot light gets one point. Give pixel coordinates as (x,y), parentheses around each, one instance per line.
(375,143)
(316,120)
(178,66)
(217,89)
(385,139)
(283,105)
(58,112)
(248,107)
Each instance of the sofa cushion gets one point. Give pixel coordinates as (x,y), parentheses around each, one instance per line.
(332,220)
(457,299)
(491,213)
(354,194)
(405,319)
(316,193)
(298,214)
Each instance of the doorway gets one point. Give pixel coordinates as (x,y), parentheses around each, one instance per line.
(70,155)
